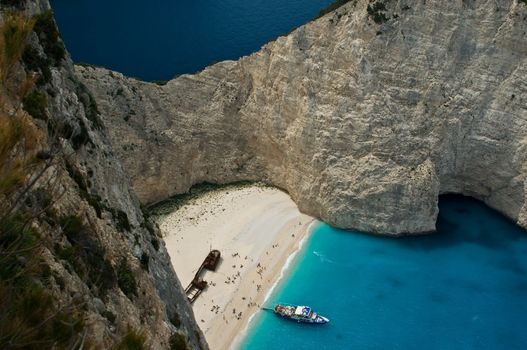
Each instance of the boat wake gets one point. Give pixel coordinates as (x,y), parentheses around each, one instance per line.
(323,258)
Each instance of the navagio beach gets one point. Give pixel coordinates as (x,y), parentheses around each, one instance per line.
(256,229)
(461,287)
(368,168)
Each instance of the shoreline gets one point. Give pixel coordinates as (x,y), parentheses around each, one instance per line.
(258,231)
(238,340)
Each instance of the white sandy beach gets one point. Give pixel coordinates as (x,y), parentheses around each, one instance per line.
(256,229)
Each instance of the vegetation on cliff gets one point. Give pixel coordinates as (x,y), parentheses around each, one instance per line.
(57,274)
(30,316)
(376,9)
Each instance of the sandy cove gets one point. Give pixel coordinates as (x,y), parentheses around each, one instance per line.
(256,229)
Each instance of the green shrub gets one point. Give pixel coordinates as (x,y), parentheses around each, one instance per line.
(76,176)
(35,62)
(33,303)
(15,229)
(13,3)
(155,243)
(90,106)
(45,272)
(35,103)
(94,200)
(66,326)
(86,255)
(126,279)
(123,224)
(30,304)
(376,10)
(132,340)
(110,316)
(149,226)
(15,234)
(68,254)
(48,34)
(145,261)
(15,30)
(73,227)
(167,206)
(178,341)
(30,318)
(80,138)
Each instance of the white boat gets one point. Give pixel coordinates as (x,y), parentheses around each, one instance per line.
(299,313)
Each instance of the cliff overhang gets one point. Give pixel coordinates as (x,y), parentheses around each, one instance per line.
(365,122)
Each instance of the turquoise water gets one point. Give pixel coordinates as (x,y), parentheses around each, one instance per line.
(462,288)
(159,39)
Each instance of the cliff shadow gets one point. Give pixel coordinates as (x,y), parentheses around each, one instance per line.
(465,220)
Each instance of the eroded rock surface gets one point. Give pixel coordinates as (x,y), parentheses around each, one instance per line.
(107,267)
(364,124)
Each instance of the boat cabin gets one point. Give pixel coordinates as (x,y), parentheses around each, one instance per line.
(303,311)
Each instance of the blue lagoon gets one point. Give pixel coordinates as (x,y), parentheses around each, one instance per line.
(464,287)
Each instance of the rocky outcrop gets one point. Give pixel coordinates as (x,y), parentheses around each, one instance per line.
(100,249)
(364,117)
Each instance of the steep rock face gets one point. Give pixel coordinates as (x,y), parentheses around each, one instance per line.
(364,124)
(94,212)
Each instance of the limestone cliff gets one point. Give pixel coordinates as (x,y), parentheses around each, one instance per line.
(96,273)
(364,116)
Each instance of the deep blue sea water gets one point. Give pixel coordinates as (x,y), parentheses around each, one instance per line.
(462,288)
(158,39)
